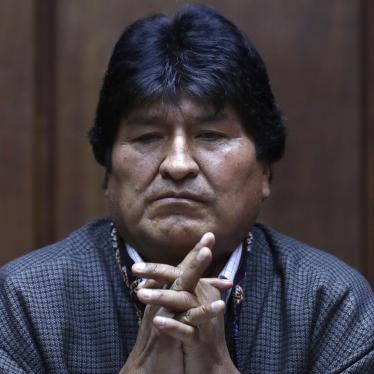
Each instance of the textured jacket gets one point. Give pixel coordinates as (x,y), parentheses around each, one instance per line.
(65,309)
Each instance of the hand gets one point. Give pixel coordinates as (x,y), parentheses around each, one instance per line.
(199,324)
(155,352)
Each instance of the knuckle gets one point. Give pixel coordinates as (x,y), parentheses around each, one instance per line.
(178,284)
(188,300)
(186,317)
(160,295)
(164,271)
(205,309)
(155,268)
(185,299)
(177,272)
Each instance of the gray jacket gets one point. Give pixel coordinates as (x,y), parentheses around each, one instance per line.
(65,309)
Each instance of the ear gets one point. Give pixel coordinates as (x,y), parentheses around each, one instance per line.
(266,178)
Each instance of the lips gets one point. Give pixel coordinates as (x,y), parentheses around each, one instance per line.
(182,195)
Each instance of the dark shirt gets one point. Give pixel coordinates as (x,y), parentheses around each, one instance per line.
(65,309)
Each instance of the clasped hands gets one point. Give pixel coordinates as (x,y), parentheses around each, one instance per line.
(182,330)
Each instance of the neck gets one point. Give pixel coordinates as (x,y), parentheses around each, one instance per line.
(216,266)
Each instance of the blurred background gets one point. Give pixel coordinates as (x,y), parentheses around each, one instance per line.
(320,58)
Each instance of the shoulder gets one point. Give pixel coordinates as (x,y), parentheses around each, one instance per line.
(326,303)
(82,247)
(53,299)
(304,266)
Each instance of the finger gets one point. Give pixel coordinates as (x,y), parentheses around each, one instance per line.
(175,329)
(194,270)
(207,240)
(176,301)
(162,273)
(195,263)
(202,313)
(149,283)
(221,284)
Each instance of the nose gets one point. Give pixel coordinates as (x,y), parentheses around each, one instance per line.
(179,162)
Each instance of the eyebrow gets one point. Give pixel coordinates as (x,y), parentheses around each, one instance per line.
(156,119)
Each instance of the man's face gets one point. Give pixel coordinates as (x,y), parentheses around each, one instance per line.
(179,171)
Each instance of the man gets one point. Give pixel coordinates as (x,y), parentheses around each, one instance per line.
(181,279)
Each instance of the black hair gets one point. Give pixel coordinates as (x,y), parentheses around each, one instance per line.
(196,53)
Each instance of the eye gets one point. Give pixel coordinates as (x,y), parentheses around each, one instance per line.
(148,138)
(210,135)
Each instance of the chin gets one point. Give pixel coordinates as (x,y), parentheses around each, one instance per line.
(182,233)
(180,237)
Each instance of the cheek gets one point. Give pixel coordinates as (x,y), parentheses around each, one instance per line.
(131,171)
(237,180)
(231,171)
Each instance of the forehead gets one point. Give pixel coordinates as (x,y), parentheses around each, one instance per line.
(183,110)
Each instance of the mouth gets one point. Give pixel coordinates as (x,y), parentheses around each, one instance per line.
(173,196)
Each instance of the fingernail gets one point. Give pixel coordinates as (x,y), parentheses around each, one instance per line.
(139,266)
(202,254)
(217,306)
(160,321)
(207,236)
(145,294)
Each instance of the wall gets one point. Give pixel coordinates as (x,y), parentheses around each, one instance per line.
(53,55)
